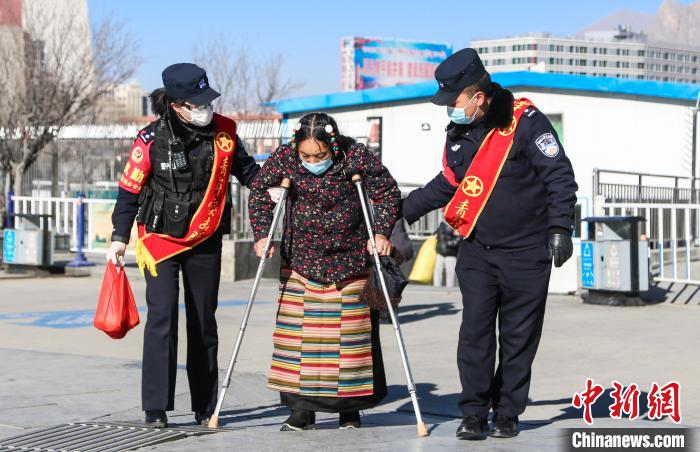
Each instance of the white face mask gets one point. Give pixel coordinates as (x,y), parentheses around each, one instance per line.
(201,116)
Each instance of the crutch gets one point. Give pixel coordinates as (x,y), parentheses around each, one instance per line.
(214,419)
(422,431)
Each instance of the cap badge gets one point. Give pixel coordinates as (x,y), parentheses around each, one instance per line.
(202,84)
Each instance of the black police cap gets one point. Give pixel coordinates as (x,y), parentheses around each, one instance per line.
(459,70)
(189,82)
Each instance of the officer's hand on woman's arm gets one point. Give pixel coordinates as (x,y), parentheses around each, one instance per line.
(116,253)
(259,247)
(384,246)
(561,246)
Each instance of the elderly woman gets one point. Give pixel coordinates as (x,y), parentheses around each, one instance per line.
(327,355)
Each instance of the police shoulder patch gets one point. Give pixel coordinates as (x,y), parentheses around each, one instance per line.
(547,144)
(148,133)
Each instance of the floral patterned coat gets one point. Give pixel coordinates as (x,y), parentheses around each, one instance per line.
(324,236)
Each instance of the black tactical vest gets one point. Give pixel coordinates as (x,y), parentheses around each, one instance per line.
(175,189)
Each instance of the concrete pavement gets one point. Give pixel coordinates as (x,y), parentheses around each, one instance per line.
(56,368)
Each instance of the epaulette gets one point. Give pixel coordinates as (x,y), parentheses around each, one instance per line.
(530,112)
(148,133)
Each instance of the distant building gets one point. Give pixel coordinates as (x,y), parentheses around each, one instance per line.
(124,104)
(618,53)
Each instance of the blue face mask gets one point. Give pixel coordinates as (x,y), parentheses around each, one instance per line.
(319,168)
(457,114)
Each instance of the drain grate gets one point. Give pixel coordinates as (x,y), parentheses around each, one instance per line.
(95,437)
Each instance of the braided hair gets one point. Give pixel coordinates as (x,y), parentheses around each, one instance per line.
(323,128)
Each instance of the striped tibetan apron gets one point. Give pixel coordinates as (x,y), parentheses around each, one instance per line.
(322,341)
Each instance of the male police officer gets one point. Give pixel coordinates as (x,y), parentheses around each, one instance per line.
(509,190)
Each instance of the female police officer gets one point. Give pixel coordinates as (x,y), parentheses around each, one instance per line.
(175,185)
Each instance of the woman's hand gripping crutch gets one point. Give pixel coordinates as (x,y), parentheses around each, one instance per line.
(422,431)
(214,419)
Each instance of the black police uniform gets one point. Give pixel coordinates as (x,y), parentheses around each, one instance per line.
(504,266)
(200,265)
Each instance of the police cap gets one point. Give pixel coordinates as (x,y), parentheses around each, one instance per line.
(189,82)
(458,71)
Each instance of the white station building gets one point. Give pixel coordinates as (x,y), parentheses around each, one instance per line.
(608,123)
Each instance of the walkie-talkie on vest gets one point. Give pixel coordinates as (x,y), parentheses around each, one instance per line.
(176,155)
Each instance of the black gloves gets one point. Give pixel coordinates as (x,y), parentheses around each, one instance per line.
(560,246)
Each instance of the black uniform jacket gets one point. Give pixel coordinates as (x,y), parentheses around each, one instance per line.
(535,192)
(244,168)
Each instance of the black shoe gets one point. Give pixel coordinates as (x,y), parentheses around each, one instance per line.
(473,428)
(156,419)
(299,420)
(349,420)
(504,426)
(202,418)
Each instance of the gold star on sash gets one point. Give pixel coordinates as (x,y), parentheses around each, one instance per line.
(224,141)
(472,186)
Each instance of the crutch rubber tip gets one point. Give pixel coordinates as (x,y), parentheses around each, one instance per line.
(213,422)
(422,430)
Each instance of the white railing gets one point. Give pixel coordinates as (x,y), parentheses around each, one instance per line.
(63,218)
(673,232)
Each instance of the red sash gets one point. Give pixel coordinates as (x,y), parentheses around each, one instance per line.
(463,211)
(152,248)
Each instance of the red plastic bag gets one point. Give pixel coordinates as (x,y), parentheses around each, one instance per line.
(116,309)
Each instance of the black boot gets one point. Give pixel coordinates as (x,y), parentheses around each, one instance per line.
(349,419)
(299,420)
(156,419)
(504,426)
(202,418)
(473,428)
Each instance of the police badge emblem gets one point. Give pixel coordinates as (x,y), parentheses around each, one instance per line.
(137,155)
(547,144)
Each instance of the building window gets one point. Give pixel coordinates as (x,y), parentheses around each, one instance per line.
(640,53)
(640,65)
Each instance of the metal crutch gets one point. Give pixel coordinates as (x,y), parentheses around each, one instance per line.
(214,419)
(420,425)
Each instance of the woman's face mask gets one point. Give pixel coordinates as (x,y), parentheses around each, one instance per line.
(319,168)
(199,116)
(315,156)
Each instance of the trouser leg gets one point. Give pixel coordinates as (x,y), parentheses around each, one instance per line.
(437,270)
(476,349)
(160,338)
(201,269)
(450,265)
(524,278)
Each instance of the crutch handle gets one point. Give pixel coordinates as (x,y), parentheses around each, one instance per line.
(356,177)
(286,183)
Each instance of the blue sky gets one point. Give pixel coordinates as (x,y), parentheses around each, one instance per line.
(308,32)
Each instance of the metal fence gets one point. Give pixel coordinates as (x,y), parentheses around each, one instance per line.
(624,186)
(670,206)
(672,237)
